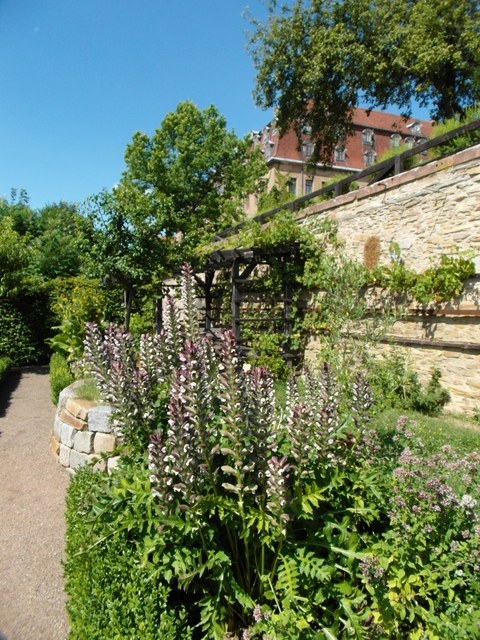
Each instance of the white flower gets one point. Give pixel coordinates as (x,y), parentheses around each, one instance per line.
(467,502)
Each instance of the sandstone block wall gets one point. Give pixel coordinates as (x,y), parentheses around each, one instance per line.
(428,211)
(82,433)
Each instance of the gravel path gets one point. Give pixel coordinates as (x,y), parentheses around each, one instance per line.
(32,503)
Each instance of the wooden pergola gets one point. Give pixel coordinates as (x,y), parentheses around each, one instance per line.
(240,265)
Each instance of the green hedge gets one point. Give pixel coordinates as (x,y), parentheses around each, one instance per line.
(5,366)
(24,326)
(114,592)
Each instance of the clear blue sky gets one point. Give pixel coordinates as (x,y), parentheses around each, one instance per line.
(78,77)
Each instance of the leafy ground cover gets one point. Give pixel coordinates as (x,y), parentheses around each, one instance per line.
(234,516)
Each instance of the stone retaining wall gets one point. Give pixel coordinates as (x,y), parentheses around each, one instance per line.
(427,211)
(82,433)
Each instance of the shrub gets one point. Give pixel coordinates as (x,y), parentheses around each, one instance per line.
(60,376)
(112,592)
(253,521)
(395,385)
(76,301)
(17,336)
(460,142)
(5,366)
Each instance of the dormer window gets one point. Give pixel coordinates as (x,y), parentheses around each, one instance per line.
(339,155)
(395,140)
(409,142)
(415,128)
(269,149)
(307,129)
(367,136)
(307,149)
(369,158)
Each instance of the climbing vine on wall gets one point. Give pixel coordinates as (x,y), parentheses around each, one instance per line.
(330,297)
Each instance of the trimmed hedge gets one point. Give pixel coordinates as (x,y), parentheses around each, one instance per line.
(114,592)
(5,366)
(24,326)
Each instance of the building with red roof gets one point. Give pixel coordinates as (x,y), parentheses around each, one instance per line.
(374,133)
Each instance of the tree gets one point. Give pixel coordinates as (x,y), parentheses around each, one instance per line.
(60,233)
(201,168)
(128,246)
(316,60)
(16,256)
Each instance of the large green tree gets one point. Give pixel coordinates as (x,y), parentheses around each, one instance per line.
(204,171)
(128,247)
(317,59)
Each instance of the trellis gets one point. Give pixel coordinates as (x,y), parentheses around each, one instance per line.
(240,265)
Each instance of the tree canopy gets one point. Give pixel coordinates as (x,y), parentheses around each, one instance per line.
(317,59)
(203,170)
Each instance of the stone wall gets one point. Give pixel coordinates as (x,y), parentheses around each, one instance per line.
(82,433)
(428,211)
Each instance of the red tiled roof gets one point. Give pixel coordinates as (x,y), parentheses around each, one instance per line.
(383,124)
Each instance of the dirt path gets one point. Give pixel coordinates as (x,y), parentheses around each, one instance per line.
(32,499)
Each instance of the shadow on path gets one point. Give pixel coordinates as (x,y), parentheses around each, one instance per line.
(9,386)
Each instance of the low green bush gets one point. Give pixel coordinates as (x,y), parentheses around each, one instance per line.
(5,366)
(395,385)
(60,376)
(460,142)
(114,593)
(18,340)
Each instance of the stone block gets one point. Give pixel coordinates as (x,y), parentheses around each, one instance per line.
(99,419)
(67,434)
(64,455)
(104,442)
(79,408)
(76,423)
(79,459)
(63,396)
(54,445)
(57,428)
(112,463)
(83,441)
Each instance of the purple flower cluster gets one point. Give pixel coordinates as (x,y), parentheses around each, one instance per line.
(371,570)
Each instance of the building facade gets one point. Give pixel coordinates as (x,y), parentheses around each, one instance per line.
(374,133)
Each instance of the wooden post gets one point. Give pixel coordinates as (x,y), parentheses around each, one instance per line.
(235,301)
(398,166)
(208,300)
(158,314)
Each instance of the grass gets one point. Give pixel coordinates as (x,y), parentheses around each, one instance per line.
(461,432)
(88,390)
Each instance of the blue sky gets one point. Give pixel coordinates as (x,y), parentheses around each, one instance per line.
(78,77)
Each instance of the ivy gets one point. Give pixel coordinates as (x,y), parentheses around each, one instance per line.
(439,283)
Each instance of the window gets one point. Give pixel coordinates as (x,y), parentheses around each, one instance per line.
(339,155)
(292,186)
(409,142)
(395,140)
(369,158)
(367,136)
(415,128)
(307,149)
(308,185)
(307,129)
(268,149)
